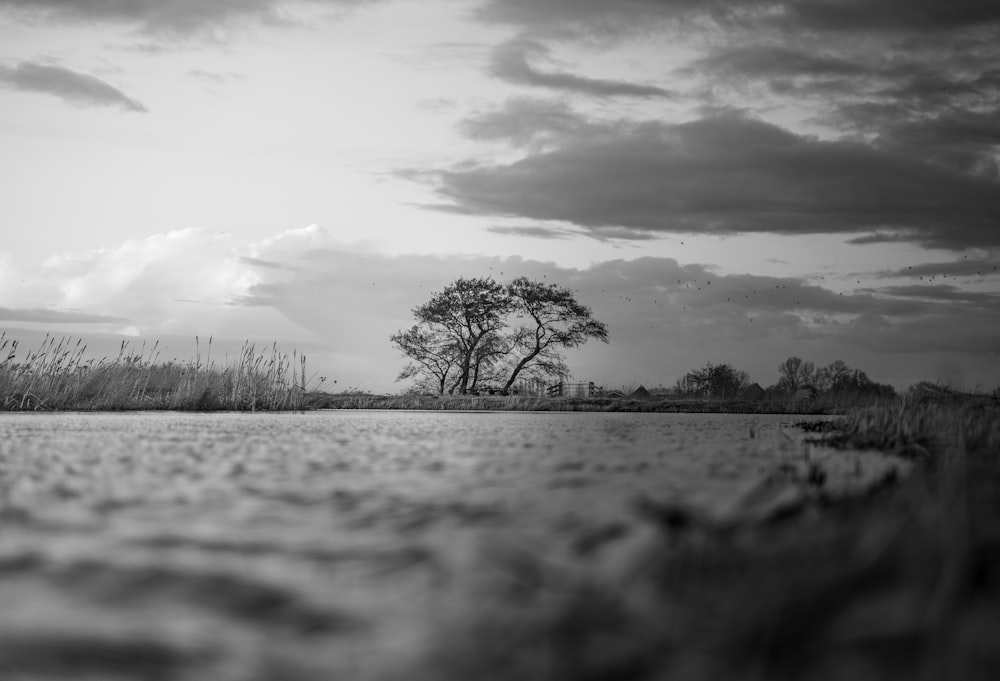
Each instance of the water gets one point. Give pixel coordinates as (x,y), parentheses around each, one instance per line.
(312,545)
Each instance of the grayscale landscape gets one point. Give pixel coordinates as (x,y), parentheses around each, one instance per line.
(549,340)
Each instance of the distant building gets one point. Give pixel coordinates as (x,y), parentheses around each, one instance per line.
(752,393)
(640,393)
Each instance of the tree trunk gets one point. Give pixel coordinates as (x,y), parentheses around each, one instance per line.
(520,365)
(463,380)
(475,378)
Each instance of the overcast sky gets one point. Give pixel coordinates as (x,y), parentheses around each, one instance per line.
(719,182)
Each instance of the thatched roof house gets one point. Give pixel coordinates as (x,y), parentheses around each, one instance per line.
(640,393)
(752,393)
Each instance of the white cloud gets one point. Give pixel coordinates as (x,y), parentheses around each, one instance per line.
(145,278)
(159,283)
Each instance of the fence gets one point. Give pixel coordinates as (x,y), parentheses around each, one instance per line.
(529,386)
(573,390)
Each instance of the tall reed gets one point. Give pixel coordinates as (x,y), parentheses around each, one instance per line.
(59,376)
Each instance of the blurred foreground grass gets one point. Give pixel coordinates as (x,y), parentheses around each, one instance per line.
(902,583)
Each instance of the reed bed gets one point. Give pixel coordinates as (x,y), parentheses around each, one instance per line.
(59,375)
(939,426)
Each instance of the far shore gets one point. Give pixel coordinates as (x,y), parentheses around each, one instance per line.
(816,406)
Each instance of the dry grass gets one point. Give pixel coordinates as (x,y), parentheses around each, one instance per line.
(59,376)
(903,583)
(939,425)
(320,400)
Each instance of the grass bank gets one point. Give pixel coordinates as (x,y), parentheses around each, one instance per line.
(902,583)
(321,400)
(59,376)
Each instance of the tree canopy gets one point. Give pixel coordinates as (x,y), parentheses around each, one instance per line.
(717,381)
(837,378)
(478,332)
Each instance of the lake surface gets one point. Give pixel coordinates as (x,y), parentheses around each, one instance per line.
(346,544)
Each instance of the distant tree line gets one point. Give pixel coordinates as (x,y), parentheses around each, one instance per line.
(479,334)
(722,381)
(836,378)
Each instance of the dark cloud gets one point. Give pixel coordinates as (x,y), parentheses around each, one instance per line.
(963,140)
(620,234)
(727,174)
(882,86)
(917,79)
(162,17)
(71,86)
(887,15)
(944,292)
(524,121)
(530,231)
(596,19)
(606,234)
(601,18)
(966,267)
(511,61)
(43,316)
(901,236)
(771,61)
(935,113)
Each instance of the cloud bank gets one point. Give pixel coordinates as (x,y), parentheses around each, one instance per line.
(170,18)
(727,173)
(70,86)
(907,95)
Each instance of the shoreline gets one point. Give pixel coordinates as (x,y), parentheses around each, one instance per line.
(816,407)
